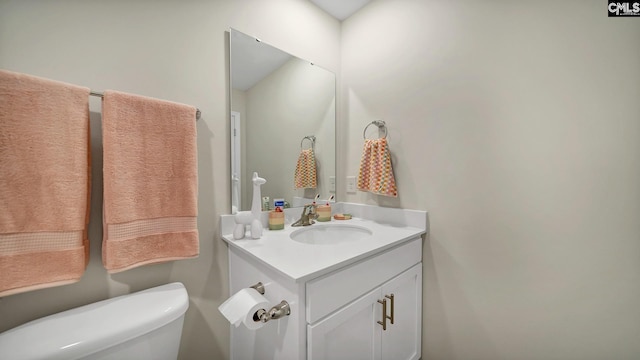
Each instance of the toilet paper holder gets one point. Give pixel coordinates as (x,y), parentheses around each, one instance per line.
(259,287)
(279,311)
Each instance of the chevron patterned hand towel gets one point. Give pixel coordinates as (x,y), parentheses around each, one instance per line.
(376,171)
(305,174)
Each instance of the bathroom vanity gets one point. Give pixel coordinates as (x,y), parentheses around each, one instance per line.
(354,287)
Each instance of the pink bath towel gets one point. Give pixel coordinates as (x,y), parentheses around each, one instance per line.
(150,181)
(44,182)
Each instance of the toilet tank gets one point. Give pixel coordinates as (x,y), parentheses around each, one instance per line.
(142,325)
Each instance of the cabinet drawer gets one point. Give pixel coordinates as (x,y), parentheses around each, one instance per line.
(332,291)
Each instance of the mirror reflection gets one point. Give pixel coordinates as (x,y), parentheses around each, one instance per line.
(282,125)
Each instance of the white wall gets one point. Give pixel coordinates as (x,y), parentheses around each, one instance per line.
(174,50)
(516,125)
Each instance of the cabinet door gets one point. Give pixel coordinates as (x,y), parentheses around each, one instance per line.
(351,333)
(402,339)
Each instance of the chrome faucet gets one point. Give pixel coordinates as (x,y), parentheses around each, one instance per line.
(309,214)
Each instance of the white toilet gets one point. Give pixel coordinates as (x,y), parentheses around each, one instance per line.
(142,325)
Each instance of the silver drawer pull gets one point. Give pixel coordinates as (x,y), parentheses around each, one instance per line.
(384,314)
(392,307)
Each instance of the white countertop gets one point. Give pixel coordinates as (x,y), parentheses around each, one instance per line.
(301,262)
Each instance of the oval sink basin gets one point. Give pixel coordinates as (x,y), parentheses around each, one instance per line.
(330,234)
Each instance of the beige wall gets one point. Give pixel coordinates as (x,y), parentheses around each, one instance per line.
(516,125)
(175,50)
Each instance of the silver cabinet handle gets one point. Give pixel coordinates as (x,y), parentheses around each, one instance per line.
(384,314)
(392,307)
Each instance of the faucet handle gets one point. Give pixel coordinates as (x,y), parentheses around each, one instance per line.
(308,214)
(313,209)
(311,213)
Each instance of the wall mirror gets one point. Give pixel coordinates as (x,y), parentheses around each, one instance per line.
(282,124)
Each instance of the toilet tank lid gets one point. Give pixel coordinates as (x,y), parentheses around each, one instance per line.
(94,327)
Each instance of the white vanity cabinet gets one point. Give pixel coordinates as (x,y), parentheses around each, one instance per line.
(338,315)
(345,308)
(356,330)
(338,293)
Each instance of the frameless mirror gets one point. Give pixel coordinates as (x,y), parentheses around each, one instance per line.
(282,125)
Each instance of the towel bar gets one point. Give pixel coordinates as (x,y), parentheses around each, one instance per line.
(98,94)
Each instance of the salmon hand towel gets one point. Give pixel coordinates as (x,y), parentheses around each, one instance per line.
(376,171)
(150,181)
(44,182)
(305,173)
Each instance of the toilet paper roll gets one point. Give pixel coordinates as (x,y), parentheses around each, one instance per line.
(240,307)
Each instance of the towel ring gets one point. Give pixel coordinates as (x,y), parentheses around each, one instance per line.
(311,138)
(380,124)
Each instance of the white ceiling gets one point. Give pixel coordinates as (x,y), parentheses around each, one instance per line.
(340,9)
